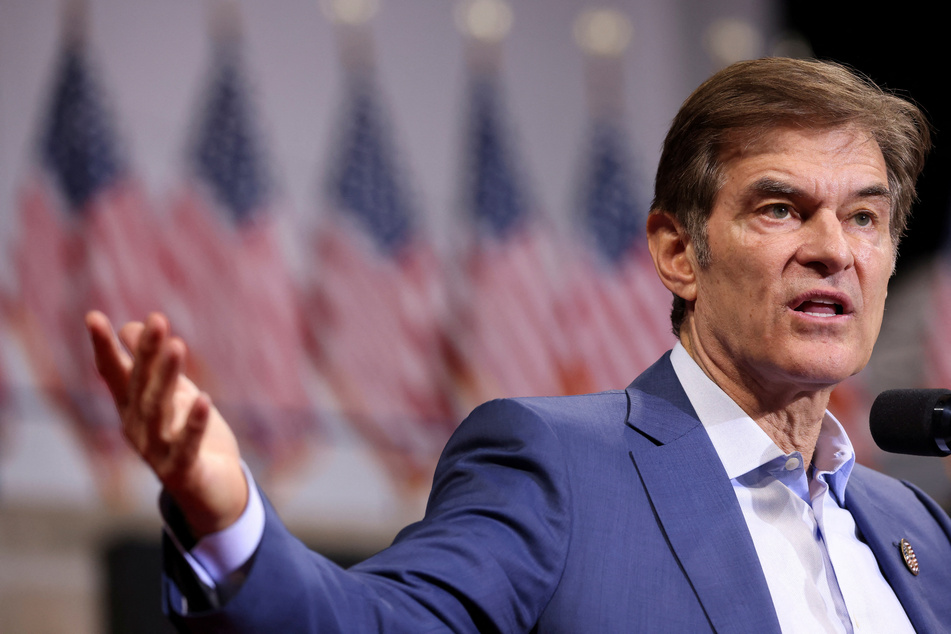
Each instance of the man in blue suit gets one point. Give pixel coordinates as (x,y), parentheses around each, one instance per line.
(716,493)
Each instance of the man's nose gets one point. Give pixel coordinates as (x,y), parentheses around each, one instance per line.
(825,243)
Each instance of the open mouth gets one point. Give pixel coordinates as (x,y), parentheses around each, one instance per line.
(820,308)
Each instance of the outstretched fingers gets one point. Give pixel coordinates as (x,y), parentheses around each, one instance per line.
(163,415)
(146,344)
(187,443)
(112,362)
(169,422)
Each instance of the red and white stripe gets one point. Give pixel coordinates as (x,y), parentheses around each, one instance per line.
(375,329)
(505,324)
(618,319)
(238,307)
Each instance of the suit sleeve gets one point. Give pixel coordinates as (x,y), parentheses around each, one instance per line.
(487,556)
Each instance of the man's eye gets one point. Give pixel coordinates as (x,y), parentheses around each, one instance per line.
(779,212)
(862,219)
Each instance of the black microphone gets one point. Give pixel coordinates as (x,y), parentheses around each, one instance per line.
(915,422)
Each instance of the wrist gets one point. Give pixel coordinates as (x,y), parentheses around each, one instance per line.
(204,514)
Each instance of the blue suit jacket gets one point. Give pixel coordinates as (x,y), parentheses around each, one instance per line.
(608,512)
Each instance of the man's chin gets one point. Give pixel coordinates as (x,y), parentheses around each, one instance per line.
(824,377)
(820,369)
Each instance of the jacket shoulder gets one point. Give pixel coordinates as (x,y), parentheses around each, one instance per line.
(887,492)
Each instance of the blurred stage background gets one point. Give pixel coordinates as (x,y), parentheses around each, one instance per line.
(364,219)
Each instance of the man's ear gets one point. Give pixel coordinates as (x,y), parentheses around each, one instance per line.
(672,252)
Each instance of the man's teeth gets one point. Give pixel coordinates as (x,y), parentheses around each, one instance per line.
(820,308)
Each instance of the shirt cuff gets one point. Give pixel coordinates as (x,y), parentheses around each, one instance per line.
(220,560)
(226,552)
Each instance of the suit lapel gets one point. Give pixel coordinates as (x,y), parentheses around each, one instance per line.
(695,504)
(882,530)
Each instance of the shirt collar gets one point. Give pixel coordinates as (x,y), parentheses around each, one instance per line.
(834,456)
(742,445)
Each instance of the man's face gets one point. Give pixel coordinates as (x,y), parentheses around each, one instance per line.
(801,257)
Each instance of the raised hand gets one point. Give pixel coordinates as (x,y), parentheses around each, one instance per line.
(170,422)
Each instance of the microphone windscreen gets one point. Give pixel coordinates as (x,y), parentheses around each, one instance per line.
(904,421)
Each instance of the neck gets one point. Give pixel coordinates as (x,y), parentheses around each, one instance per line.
(790,414)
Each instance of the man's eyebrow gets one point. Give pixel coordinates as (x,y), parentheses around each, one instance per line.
(767,186)
(873,191)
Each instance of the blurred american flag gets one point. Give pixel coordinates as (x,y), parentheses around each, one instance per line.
(376,304)
(616,308)
(87,240)
(507,339)
(237,304)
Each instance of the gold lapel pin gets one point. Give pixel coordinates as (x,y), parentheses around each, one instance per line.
(908,554)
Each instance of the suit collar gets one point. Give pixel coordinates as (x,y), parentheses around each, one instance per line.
(695,504)
(658,390)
